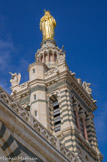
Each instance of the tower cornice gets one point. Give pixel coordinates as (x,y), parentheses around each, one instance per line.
(79,89)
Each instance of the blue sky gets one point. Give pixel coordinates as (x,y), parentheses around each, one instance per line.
(81,28)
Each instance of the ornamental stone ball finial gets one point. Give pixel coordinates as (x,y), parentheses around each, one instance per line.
(47,25)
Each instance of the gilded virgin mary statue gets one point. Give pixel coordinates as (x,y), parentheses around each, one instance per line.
(47,25)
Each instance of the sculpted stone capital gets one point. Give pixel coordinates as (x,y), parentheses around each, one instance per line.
(82,115)
(76,107)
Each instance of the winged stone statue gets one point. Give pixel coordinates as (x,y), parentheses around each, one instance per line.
(15,79)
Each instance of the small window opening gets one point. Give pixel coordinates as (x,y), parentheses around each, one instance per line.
(33,70)
(34,97)
(87,158)
(36,113)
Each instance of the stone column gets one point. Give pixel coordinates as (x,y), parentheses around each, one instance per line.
(84,125)
(76,109)
(85,129)
(37,59)
(48,57)
(40,59)
(43,58)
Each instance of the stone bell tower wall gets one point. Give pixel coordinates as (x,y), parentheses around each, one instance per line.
(36,71)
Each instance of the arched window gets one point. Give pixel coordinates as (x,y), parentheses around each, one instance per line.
(50,56)
(46,58)
(55,57)
(42,59)
(55,114)
(80,119)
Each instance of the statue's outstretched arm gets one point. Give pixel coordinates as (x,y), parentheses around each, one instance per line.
(11,73)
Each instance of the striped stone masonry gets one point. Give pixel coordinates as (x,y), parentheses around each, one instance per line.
(66,109)
(9,144)
(73,114)
(91,132)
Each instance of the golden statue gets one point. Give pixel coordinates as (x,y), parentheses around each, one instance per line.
(47,25)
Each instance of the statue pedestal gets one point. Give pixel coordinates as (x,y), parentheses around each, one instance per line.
(48,42)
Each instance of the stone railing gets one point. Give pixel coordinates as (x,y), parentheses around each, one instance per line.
(51,73)
(19,87)
(23,85)
(38,127)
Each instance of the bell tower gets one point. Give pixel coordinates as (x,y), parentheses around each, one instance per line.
(59,100)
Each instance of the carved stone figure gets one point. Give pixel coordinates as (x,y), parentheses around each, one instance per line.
(15,79)
(47,25)
(61,57)
(86,86)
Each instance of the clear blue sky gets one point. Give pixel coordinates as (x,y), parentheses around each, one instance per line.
(81,27)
